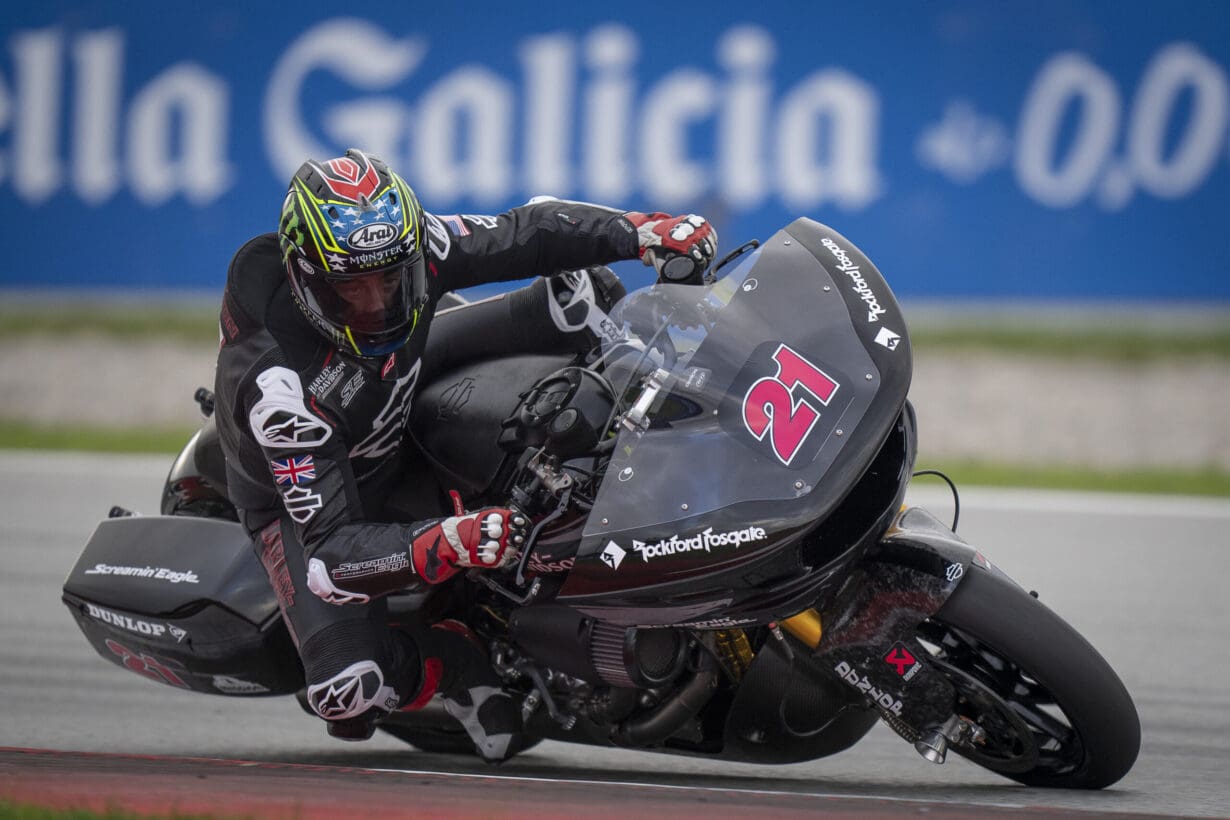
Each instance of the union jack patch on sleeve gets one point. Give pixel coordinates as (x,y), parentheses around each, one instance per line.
(294,470)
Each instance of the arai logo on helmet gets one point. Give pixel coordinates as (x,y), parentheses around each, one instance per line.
(374,235)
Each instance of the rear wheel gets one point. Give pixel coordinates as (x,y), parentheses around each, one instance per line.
(1038,703)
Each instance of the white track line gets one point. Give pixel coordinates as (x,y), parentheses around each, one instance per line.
(705,789)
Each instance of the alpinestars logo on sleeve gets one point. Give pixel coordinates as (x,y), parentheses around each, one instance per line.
(282,429)
(280,419)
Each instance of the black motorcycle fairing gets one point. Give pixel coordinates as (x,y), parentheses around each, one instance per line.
(876,316)
(869,638)
(183,560)
(868,663)
(788,709)
(800,567)
(917,526)
(730,465)
(206,648)
(195,612)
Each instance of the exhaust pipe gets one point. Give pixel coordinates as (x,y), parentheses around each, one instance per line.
(670,717)
(933,745)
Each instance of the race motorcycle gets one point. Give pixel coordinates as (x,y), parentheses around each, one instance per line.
(721,564)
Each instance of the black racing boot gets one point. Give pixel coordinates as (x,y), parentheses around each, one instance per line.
(471,690)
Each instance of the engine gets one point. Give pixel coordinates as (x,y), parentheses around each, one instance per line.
(598,652)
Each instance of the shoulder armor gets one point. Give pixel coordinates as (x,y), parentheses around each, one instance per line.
(280,420)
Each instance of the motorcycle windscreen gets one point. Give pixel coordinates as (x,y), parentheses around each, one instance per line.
(766,378)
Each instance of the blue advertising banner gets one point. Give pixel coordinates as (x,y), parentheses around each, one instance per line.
(1066,149)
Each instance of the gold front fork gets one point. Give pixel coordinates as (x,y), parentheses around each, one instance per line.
(805,626)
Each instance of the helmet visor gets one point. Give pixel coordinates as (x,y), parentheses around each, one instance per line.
(374,311)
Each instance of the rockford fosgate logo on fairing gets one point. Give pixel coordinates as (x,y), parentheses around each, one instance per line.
(161,573)
(847,266)
(706,541)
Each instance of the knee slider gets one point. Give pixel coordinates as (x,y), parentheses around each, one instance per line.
(358,690)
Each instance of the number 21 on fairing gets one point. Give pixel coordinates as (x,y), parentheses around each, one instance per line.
(776,407)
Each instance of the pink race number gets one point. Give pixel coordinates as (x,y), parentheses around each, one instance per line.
(780,406)
(146,665)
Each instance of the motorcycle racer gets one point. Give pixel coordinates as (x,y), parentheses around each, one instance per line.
(324,338)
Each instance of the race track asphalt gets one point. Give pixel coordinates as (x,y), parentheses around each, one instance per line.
(1143,578)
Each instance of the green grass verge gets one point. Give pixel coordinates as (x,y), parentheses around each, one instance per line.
(198,324)
(1208,482)
(1104,343)
(21,436)
(186,324)
(10,810)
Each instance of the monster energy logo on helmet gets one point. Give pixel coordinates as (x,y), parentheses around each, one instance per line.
(289,234)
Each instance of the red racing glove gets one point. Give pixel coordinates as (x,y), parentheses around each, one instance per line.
(489,538)
(662,237)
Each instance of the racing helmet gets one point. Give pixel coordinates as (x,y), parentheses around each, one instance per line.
(353,242)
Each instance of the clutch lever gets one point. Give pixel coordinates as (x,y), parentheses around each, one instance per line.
(495,586)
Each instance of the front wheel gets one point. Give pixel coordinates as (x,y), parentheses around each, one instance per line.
(1038,703)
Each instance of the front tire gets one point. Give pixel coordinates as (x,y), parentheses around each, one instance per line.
(1050,709)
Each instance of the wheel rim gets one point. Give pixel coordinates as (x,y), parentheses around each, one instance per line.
(1025,728)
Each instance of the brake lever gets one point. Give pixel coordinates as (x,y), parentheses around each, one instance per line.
(533,536)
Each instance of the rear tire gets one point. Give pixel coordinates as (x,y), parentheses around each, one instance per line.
(435,741)
(1055,714)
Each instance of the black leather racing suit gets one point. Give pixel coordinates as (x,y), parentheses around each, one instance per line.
(313,435)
